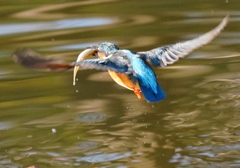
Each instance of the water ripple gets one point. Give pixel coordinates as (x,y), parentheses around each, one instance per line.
(15,28)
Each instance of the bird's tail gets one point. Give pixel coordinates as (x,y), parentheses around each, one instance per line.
(150,95)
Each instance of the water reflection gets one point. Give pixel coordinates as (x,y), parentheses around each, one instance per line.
(88,145)
(47,122)
(5,125)
(75,46)
(208,125)
(208,155)
(103,157)
(187,71)
(53,25)
(91,117)
(42,12)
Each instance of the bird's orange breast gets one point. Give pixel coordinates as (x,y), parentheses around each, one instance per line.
(124,80)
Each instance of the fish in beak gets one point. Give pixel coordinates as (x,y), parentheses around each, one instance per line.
(82,56)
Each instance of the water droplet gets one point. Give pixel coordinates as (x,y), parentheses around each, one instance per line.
(54,130)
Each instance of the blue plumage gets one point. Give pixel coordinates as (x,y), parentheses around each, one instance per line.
(146,78)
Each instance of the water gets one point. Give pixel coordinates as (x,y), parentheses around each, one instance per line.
(45,121)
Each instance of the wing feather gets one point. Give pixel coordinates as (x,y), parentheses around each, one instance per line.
(31,59)
(114,63)
(169,54)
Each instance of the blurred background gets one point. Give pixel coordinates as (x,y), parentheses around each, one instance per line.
(46,122)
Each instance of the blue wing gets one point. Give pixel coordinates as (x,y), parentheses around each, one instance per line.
(117,64)
(147,80)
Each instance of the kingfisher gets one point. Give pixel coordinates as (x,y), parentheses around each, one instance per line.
(129,69)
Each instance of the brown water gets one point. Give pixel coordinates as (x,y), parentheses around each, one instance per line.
(47,122)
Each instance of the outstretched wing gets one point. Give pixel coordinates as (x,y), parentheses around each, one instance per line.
(169,54)
(113,62)
(31,59)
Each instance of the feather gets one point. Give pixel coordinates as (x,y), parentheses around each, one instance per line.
(169,54)
(146,78)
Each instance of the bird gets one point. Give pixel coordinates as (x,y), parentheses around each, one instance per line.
(127,68)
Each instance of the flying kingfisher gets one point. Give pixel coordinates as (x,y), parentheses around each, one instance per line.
(127,68)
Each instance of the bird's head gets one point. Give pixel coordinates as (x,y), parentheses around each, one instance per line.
(104,48)
(107,47)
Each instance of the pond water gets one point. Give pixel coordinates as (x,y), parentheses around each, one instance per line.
(45,121)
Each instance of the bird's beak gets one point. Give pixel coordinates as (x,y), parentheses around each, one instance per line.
(82,56)
(94,48)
